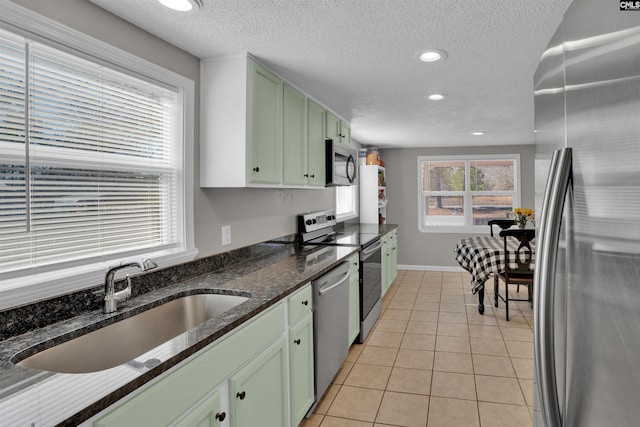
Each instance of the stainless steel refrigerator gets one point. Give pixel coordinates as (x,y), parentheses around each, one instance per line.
(587,289)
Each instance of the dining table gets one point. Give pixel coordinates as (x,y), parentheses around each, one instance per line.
(484,257)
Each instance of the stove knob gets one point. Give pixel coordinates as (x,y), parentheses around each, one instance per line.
(309,222)
(314,221)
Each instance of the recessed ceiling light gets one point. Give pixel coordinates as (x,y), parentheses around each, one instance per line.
(431,55)
(436,97)
(478,133)
(182,5)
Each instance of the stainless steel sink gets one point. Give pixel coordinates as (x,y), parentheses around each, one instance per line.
(123,341)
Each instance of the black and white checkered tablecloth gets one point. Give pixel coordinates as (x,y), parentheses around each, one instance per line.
(483,256)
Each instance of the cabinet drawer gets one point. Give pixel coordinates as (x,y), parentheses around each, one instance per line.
(300,304)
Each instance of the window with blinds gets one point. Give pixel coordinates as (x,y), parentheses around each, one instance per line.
(90,159)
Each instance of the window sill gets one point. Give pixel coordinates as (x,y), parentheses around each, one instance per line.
(345,217)
(40,286)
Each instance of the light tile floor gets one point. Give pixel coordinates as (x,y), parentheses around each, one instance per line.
(433,361)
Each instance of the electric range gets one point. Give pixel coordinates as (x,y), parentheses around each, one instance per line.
(319,228)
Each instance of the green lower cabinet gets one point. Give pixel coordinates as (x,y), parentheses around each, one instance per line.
(301,369)
(208,413)
(178,391)
(393,264)
(354,298)
(258,392)
(252,378)
(389,260)
(385,264)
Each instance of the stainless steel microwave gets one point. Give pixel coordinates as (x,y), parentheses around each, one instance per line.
(341,164)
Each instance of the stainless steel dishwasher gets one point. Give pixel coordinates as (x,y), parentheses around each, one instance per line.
(330,325)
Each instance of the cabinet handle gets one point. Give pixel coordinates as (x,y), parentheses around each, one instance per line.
(256,169)
(241,395)
(306,175)
(305,302)
(355,263)
(297,341)
(220,416)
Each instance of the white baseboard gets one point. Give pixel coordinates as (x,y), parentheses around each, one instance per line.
(431,268)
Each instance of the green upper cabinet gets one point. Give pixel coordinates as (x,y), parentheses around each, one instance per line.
(332,127)
(294,143)
(345,133)
(265,131)
(337,130)
(256,130)
(315,144)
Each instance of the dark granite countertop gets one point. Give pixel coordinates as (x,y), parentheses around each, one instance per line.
(267,272)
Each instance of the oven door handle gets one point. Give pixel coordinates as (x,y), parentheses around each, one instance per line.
(368,251)
(340,282)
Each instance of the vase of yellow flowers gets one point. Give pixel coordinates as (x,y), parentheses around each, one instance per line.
(522,216)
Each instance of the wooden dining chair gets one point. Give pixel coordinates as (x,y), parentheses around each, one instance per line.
(522,274)
(502,223)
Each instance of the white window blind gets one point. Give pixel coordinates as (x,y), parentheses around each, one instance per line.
(89,163)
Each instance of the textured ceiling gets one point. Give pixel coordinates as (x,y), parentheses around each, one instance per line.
(357,58)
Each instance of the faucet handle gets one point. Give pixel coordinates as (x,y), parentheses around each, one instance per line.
(126,292)
(148,264)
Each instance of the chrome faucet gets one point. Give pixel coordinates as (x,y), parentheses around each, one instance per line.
(111,297)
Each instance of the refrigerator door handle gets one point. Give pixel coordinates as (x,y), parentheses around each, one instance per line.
(544,284)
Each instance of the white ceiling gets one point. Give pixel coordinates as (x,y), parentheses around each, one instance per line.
(357,58)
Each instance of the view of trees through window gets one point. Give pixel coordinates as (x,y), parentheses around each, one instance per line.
(467,191)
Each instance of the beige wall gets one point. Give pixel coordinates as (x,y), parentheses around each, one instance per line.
(254,214)
(435,249)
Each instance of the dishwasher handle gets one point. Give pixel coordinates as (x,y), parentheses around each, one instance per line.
(345,277)
(372,249)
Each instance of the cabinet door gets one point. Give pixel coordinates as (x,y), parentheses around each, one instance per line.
(301,359)
(393,267)
(294,143)
(315,144)
(265,131)
(258,392)
(345,133)
(332,130)
(385,264)
(354,299)
(208,413)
